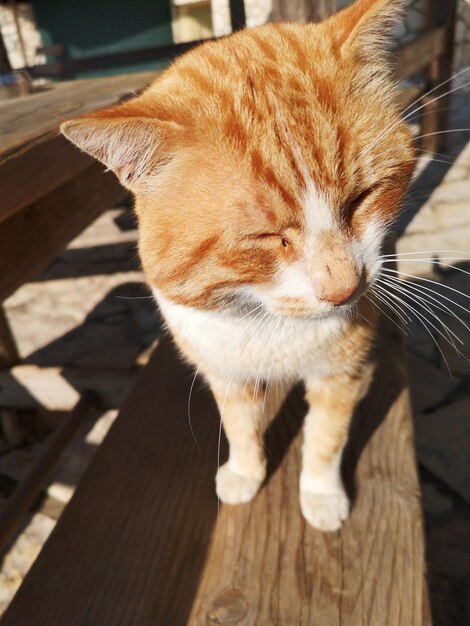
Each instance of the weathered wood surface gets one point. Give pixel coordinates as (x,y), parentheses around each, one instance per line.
(25,494)
(32,238)
(419,53)
(8,350)
(142,542)
(302,10)
(60,388)
(34,159)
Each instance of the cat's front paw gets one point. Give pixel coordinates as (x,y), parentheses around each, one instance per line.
(324,511)
(233,488)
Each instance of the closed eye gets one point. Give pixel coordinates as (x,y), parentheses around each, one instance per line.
(266,236)
(358,200)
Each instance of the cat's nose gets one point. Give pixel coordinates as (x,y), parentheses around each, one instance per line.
(338,282)
(338,294)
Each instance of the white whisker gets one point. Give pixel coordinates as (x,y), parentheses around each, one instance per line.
(438,304)
(377,306)
(391,127)
(434,262)
(189,409)
(393,256)
(443,132)
(383,295)
(427,280)
(421,302)
(425,321)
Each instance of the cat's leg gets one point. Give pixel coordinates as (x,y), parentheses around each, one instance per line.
(332,401)
(244,412)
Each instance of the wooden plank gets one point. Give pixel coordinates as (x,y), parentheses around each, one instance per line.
(302,10)
(439,71)
(29,140)
(31,239)
(59,389)
(5,65)
(31,120)
(408,95)
(8,350)
(26,492)
(416,55)
(149,547)
(68,67)
(49,165)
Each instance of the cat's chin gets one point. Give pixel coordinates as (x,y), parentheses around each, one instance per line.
(322,312)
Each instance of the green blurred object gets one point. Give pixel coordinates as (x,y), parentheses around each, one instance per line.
(87,28)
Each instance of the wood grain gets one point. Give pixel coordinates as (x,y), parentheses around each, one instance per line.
(8,350)
(34,159)
(59,388)
(142,542)
(420,52)
(25,494)
(31,239)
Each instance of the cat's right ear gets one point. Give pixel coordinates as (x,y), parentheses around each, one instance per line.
(365,26)
(134,148)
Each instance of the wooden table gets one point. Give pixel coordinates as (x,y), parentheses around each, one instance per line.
(49,191)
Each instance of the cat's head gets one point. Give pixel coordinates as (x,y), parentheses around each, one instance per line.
(267,166)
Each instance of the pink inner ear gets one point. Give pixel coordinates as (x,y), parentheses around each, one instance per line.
(128,146)
(125,173)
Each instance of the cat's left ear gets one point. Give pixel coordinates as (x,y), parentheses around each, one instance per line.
(135,148)
(364,26)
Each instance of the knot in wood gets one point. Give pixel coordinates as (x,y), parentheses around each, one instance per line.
(229,607)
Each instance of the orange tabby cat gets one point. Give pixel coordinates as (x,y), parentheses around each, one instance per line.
(264,186)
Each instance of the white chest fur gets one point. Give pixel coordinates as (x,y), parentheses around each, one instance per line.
(258,345)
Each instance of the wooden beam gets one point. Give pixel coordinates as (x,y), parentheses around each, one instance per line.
(58,389)
(302,10)
(48,165)
(5,65)
(31,239)
(439,71)
(68,67)
(408,95)
(29,140)
(416,55)
(8,350)
(26,492)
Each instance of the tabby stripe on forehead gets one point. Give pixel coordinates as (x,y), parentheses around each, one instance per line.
(294,156)
(218,62)
(234,130)
(199,78)
(198,254)
(266,49)
(273,181)
(295,47)
(266,173)
(343,138)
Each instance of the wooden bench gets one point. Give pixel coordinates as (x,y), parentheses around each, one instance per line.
(143,542)
(49,191)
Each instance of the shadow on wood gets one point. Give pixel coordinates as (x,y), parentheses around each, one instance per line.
(143,543)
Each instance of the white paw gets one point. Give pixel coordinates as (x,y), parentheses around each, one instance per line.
(233,488)
(324,511)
